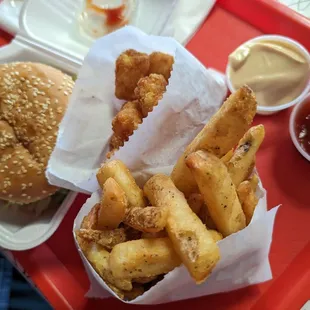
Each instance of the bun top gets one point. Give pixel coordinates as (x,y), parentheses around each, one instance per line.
(33,100)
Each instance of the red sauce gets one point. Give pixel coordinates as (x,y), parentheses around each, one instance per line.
(302,126)
(114,17)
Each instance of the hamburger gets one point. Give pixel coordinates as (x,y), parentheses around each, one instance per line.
(33,100)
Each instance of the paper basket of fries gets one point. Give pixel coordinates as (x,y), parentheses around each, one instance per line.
(177,209)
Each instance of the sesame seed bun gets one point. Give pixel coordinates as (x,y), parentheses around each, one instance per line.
(33,100)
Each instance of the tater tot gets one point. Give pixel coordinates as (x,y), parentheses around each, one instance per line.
(131,66)
(161,63)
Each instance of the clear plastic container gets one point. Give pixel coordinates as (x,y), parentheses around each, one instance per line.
(263,110)
(293,116)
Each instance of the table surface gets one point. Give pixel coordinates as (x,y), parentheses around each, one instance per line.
(284,173)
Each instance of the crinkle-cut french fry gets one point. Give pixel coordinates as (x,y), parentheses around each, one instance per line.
(196,202)
(106,238)
(240,165)
(219,135)
(149,219)
(247,199)
(217,236)
(90,221)
(218,191)
(113,205)
(98,257)
(190,237)
(143,258)
(117,170)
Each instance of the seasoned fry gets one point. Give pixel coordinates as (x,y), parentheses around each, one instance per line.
(143,258)
(119,172)
(149,219)
(191,240)
(247,199)
(254,182)
(205,217)
(226,158)
(196,202)
(106,238)
(241,163)
(90,221)
(149,91)
(219,135)
(99,259)
(218,191)
(131,66)
(113,205)
(216,235)
(161,63)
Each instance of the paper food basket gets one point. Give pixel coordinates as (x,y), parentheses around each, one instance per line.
(192,97)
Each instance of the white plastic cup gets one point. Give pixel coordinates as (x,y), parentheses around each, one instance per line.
(263,110)
(297,108)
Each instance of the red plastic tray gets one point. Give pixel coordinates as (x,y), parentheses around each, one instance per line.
(55,266)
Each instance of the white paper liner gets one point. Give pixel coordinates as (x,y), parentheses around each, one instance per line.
(194,94)
(244,261)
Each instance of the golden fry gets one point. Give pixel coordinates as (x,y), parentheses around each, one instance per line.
(216,235)
(161,63)
(113,205)
(143,258)
(190,237)
(119,172)
(106,238)
(149,91)
(196,202)
(254,182)
(90,221)
(131,66)
(218,191)
(219,135)
(247,199)
(99,259)
(149,219)
(241,163)
(226,158)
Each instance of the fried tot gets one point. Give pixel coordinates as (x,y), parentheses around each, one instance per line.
(196,202)
(240,165)
(106,238)
(220,134)
(143,258)
(190,237)
(218,191)
(113,205)
(149,219)
(149,91)
(161,63)
(247,199)
(117,170)
(90,221)
(131,66)
(98,257)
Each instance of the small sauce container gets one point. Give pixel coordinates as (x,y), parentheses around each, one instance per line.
(300,127)
(256,77)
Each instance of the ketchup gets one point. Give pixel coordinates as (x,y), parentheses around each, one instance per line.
(114,16)
(302,126)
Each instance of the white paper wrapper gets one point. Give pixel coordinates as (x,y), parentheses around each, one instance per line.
(244,261)
(192,97)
